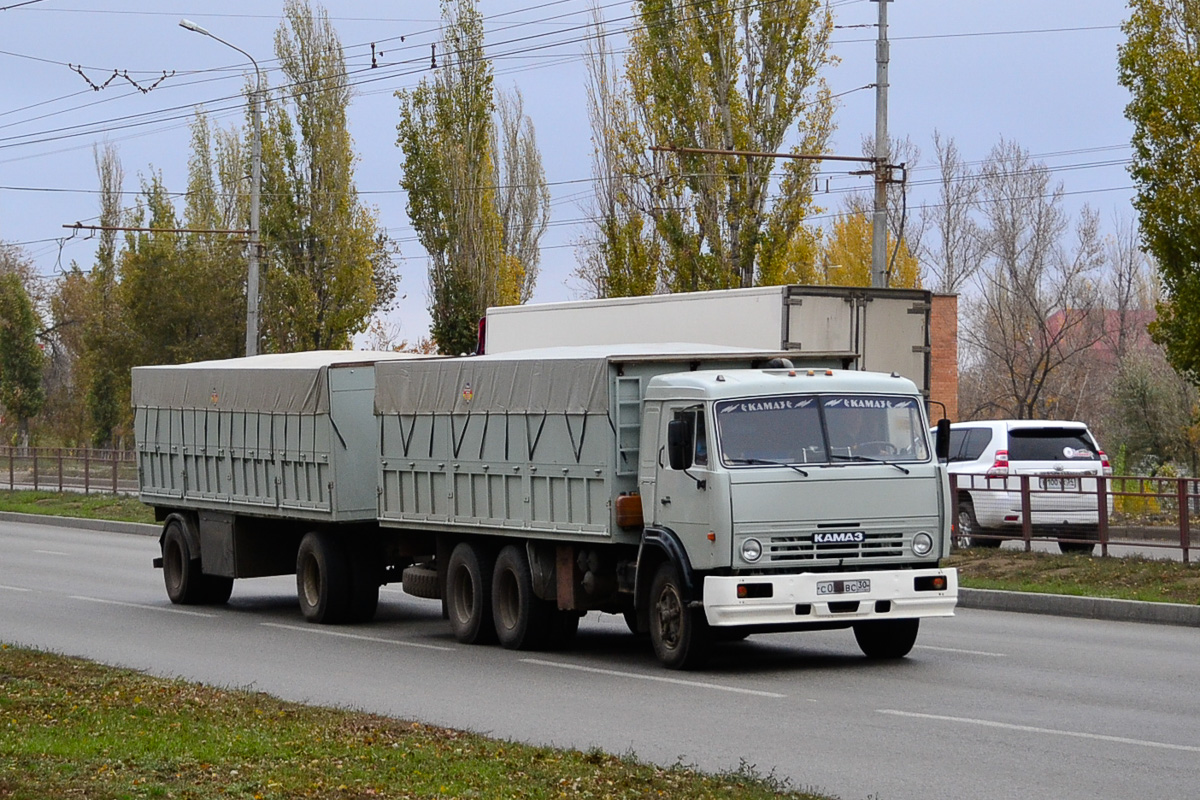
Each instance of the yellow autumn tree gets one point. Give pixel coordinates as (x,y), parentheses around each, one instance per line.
(846,260)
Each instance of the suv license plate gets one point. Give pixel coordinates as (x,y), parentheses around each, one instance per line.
(1059,484)
(844,587)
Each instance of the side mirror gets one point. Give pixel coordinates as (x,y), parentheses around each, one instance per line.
(941,445)
(679,443)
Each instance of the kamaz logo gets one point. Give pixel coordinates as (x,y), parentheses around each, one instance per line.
(840,537)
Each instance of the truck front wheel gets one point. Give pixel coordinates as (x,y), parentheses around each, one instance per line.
(322,579)
(680,635)
(469,594)
(886,638)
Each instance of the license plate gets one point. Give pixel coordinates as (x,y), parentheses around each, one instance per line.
(859,586)
(1059,484)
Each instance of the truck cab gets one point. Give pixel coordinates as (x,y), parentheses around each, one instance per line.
(790,499)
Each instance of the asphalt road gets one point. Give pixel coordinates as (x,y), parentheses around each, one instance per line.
(989,705)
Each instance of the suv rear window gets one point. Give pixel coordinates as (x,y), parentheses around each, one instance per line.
(1050,444)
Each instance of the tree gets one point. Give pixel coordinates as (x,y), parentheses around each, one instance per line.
(722,75)
(846,258)
(960,248)
(21,359)
(1039,306)
(619,257)
(522,197)
(1159,64)
(327,265)
(476,191)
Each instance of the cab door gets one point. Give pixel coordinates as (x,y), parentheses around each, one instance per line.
(693,502)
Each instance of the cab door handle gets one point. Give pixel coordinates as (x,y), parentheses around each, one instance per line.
(666,501)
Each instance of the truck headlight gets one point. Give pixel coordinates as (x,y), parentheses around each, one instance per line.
(922,544)
(751,550)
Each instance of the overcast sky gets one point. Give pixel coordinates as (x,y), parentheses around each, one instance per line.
(1041,73)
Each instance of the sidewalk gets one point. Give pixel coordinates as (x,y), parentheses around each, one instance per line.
(986,599)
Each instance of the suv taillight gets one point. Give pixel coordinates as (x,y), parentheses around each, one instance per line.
(999,468)
(1105,466)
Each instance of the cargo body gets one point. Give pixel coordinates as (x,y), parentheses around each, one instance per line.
(703,492)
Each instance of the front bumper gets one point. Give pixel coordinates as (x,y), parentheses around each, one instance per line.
(794,598)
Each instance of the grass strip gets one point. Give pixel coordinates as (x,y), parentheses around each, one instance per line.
(121,508)
(1125,578)
(73,728)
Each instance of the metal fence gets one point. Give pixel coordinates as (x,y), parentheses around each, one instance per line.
(69,469)
(1108,510)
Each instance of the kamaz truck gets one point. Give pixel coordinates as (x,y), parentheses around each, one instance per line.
(705,493)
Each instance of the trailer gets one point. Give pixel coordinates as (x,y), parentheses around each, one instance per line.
(704,493)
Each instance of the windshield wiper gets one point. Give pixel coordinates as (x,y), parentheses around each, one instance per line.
(768,463)
(869,460)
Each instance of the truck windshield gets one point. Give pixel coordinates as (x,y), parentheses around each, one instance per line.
(821,429)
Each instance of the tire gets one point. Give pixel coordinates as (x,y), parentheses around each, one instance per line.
(366,575)
(522,619)
(323,579)
(886,638)
(680,635)
(967,534)
(469,594)
(181,568)
(420,581)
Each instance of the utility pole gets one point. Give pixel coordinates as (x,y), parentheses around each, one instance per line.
(882,168)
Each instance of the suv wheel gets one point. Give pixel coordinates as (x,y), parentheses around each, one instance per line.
(968,531)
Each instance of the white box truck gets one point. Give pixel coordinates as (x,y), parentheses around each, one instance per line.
(878,330)
(705,493)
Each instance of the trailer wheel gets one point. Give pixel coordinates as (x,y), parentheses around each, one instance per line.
(680,635)
(469,594)
(181,569)
(322,579)
(522,619)
(886,638)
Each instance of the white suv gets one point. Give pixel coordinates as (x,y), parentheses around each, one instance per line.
(1062,459)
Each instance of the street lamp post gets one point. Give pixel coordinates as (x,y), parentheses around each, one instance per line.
(255,180)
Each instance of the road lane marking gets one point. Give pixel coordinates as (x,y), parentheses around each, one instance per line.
(1031,729)
(146,606)
(360,637)
(659,678)
(14,589)
(51,553)
(957,650)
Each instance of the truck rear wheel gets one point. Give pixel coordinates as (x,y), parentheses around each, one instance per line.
(322,579)
(469,594)
(522,619)
(680,634)
(886,638)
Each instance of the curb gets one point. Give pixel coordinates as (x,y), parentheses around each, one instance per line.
(1087,607)
(103,525)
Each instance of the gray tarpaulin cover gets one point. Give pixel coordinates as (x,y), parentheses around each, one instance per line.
(570,380)
(291,383)
(465,385)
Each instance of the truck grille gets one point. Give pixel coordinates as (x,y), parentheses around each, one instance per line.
(780,550)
